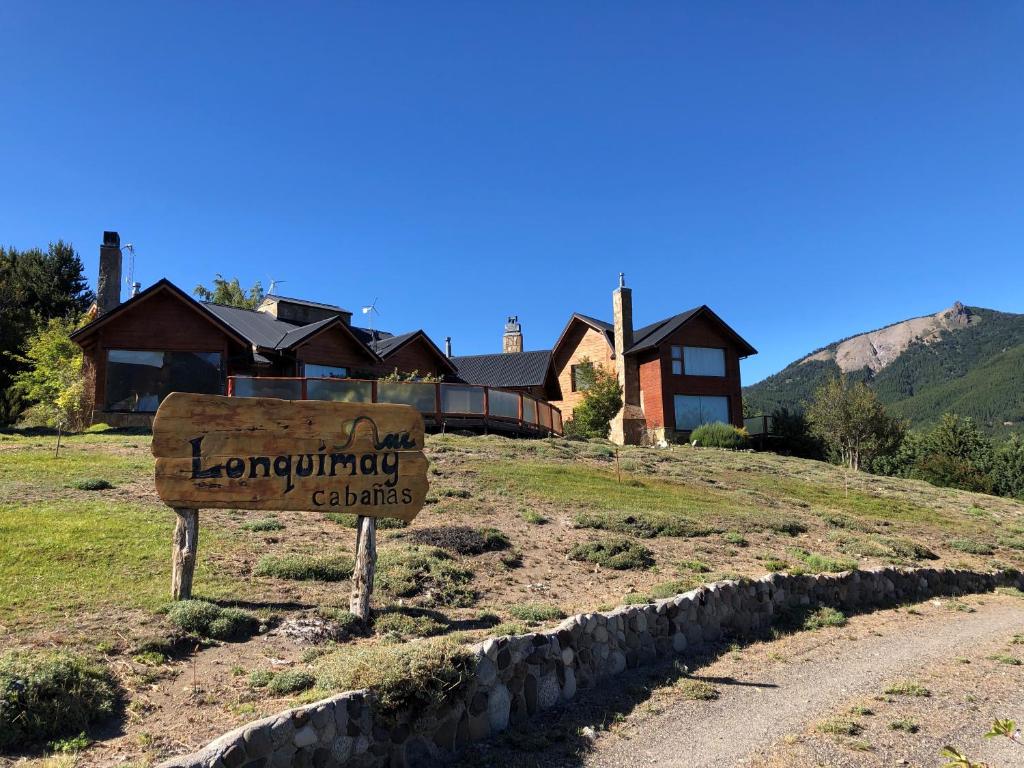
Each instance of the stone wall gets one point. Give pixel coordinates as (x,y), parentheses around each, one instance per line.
(518,676)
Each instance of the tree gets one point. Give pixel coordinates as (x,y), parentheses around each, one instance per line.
(852,422)
(602,400)
(955,455)
(1008,468)
(53,380)
(230,293)
(35,287)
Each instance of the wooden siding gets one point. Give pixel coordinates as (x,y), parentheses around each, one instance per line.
(334,346)
(581,342)
(415,355)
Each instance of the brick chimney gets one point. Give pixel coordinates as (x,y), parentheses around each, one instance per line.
(622,317)
(108,287)
(512,341)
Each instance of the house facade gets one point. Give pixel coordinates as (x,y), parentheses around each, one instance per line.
(675,374)
(162,340)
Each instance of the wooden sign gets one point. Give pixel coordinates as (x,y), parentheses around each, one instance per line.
(264,453)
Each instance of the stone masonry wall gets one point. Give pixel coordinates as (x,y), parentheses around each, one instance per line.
(518,676)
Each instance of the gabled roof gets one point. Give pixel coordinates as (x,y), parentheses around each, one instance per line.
(511,369)
(391,344)
(305,303)
(606,329)
(651,335)
(160,286)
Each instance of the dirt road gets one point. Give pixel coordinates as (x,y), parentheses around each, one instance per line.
(773,694)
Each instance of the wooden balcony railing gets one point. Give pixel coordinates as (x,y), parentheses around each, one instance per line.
(443,405)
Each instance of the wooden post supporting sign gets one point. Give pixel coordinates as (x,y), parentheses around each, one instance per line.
(263,453)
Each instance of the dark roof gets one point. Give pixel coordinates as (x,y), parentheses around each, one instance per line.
(511,369)
(389,344)
(651,335)
(599,325)
(369,335)
(305,303)
(260,328)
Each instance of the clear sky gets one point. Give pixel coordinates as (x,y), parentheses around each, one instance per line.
(809,170)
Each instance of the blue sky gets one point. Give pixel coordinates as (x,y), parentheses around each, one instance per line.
(809,170)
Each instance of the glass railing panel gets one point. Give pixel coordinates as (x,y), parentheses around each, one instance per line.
(459,398)
(285,389)
(417,394)
(339,390)
(529,410)
(503,404)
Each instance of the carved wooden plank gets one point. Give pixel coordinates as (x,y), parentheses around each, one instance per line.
(262,453)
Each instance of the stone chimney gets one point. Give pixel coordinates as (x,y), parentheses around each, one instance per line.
(622,317)
(512,341)
(108,287)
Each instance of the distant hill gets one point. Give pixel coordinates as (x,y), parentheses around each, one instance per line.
(967,360)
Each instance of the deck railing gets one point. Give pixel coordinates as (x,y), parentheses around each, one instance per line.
(442,404)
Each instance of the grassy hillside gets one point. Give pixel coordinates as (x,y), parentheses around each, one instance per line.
(977,371)
(564,527)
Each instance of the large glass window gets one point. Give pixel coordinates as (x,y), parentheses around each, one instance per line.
(677,361)
(694,410)
(703,361)
(324,371)
(137,380)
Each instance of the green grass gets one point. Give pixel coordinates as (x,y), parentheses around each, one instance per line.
(840,726)
(674,587)
(290,681)
(824,617)
(407,623)
(532,517)
(349,521)
(92,484)
(75,556)
(972,546)
(816,563)
(906,688)
(695,690)
(697,566)
(428,573)
(209,620)
(618,554)
(306,567)
(904,724)
(264,524)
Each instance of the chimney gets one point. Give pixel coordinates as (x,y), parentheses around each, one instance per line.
(512,341)
(447,346)
(622,316)
(108,287)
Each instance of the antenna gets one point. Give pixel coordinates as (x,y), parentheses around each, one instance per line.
(371,310)
(129,278)
(273,285)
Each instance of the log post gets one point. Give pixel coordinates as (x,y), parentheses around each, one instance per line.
(183,557)
(366,565)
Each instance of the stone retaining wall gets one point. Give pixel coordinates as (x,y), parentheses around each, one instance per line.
(521,675)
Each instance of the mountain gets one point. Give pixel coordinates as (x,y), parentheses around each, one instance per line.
(967,360)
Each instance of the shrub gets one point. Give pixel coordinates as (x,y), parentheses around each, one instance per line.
(428,572)
(209,620)
(904,724)
(697,566)
(696,690)
(972,547)
(260,678)
(906,688)
(824,617)
(674,587)
(536,612)
(602,400)
(406,623)
(49,695)
(735,538)
(306,567)
(290,681)
(646,525)
(349,521)
(719,435)
(822,564)
(533,517)
(839,726)
(93,484)
(909,550)
(263,524)
(462,539)
(617,554)
(407,676)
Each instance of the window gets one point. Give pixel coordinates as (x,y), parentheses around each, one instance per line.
(324,371)
(694,410)
(138,380)
(582,377)
(677,361)
(703,361)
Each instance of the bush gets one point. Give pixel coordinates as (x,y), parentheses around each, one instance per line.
(290,681)
(306,567)
(719,435)
(909,550)
(413,676)
(209,620)
(427,572)
(536,612)
(972,547)
(533,518)
(263,524)
(617,554)
(349,521)
(406,623)
(824,617)
(49,695)
(602,400)
(674,587)
(735,538)
(462,539)
(821,564)
(645,525)
(93,484)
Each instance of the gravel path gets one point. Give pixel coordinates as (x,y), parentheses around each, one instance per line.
(762,702)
